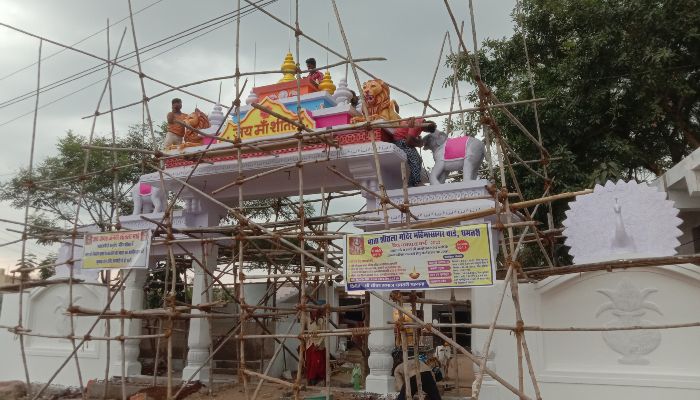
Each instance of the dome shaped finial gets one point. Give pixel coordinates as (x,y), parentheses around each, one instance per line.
(289,68)
(327,83)
(342,94)
(252,98)
(216,117)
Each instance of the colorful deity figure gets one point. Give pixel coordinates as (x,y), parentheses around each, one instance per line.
(182,127)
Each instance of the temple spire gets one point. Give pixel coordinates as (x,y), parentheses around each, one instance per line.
(289,68)
(327,83)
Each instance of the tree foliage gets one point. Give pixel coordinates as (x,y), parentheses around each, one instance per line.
(621,80)
(55,184)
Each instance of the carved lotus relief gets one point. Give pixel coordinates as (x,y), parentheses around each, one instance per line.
(628,306)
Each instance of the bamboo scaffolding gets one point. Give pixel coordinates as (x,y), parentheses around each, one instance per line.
(301,253)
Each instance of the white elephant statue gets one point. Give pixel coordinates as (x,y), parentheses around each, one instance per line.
(452,154)
(147,198)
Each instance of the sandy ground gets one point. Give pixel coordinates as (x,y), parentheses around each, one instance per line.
(273,391)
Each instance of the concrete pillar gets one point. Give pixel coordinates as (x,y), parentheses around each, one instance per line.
(380,344)
(133,300)
(199,338)
(483,308)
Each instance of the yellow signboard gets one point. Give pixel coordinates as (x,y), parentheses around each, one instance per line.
(116,250)
(420,259)
(260,124)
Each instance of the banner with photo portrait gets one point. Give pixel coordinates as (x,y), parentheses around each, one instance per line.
(420,259)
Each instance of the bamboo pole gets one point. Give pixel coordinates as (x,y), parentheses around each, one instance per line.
(26,221)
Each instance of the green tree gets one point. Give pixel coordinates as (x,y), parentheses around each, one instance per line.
(56,182)
(621,80)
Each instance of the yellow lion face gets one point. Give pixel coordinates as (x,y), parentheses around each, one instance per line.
(374,90)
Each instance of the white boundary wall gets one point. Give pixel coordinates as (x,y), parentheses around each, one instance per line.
(652,364)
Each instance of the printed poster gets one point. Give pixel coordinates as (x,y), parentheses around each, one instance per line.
(420,259)
(116,250)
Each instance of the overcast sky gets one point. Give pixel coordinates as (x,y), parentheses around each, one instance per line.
(408,33)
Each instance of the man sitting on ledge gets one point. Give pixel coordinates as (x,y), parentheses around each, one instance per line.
(177,133)
(407,139)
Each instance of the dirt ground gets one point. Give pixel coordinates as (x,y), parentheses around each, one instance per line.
(273,391)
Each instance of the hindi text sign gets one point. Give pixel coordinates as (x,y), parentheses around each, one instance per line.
(420,259)
(259,124)
(116,250)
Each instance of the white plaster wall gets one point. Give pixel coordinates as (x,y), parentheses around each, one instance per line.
(580,365)
(691,219)
(44,310)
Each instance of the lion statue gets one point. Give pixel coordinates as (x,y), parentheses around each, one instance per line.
(379,103)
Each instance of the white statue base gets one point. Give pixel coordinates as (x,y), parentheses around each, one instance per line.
(455,199)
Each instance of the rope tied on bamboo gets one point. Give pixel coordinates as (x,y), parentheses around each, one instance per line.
(19,330)
(503,194)
(519,327)
(412,297)
(491,189)
(245,315)
(547,184)
(518,266)
(484,91)
(301,307)
(361,331)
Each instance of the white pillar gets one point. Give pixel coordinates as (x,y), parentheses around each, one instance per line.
(380,344)
(483,308)
(199,338)
(133,300)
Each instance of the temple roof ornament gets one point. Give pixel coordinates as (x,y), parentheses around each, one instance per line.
(216,117)
(289,68)
(621,220)
(327,83)
(342,94)
(252,98)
